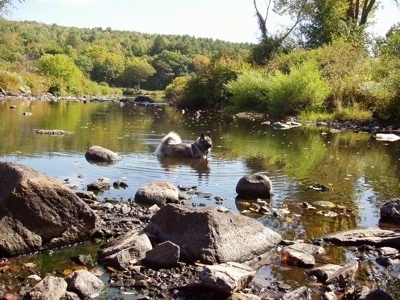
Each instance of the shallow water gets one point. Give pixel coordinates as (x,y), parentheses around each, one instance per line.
(363,173)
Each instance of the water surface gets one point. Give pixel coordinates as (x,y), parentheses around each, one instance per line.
(363,173)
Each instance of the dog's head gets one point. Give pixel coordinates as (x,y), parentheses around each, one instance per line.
(205,141)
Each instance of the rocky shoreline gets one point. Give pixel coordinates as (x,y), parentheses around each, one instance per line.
(152,252)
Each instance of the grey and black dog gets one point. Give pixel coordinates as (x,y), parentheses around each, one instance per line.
(172,146)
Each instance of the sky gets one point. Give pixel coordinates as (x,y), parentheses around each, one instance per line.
(227,20)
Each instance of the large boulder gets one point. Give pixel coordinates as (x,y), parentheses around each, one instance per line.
(390,211)
(254,186)
(100,155)
(37,211)
(210,235)
(158,192)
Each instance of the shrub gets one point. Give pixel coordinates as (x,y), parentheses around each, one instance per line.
(249,92)
(10,82)
(302,89)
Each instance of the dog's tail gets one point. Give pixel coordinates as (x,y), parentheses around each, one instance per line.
(171,138)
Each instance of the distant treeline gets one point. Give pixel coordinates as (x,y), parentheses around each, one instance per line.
(112,58)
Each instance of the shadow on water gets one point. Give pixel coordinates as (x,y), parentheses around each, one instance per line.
(362,172)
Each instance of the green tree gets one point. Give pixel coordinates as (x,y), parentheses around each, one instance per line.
(136,71)
(62,75)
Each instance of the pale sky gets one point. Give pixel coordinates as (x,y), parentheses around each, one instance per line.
(228,20)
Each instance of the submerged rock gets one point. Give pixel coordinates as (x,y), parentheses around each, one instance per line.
(99,155)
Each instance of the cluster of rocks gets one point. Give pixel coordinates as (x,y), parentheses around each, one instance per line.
(173,250)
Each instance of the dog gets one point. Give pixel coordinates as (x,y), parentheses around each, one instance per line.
(172,146)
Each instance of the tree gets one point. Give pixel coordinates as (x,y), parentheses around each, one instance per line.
(4,4)
(137,70)
(62,75)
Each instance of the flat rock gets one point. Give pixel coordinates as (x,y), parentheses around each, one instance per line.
(360,236)
(227,277)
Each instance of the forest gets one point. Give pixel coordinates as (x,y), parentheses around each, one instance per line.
(324,65)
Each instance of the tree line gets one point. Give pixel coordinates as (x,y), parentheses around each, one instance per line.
(72,60)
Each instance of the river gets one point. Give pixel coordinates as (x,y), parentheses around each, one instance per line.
(362,173)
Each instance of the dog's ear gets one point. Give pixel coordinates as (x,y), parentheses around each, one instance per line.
(202,135)
(208,134)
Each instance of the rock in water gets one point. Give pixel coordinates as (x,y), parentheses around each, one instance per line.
(37,212)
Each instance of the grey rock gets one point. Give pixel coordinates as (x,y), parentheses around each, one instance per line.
(254,186)
(99,185)
(322,272)
(361,236)
(121,252)
(37,211)
(163,255)
(209,235)
(159,193)
(84,284)
(49,288)
(227,277)
(343,276)
(100,155)
(301,254)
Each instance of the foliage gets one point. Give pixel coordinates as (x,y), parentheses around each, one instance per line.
(10,81)
(249,91)
(176,89)
(136,70)
(302,89)
(104,55)
(62,75)
(208,88)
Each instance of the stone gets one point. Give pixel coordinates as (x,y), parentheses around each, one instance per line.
(390,211)
(38,212)
(210,236)
(100,155)
(159,193)
(164,255)
(128,248)
(343,276)
(227,277)
(254,186)
(84,284)
(322,272)
(100,184)
(49,288)
(364,236)
(301,254)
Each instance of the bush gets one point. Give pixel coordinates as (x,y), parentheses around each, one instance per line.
(300,90)
(10,82)
(249,92)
